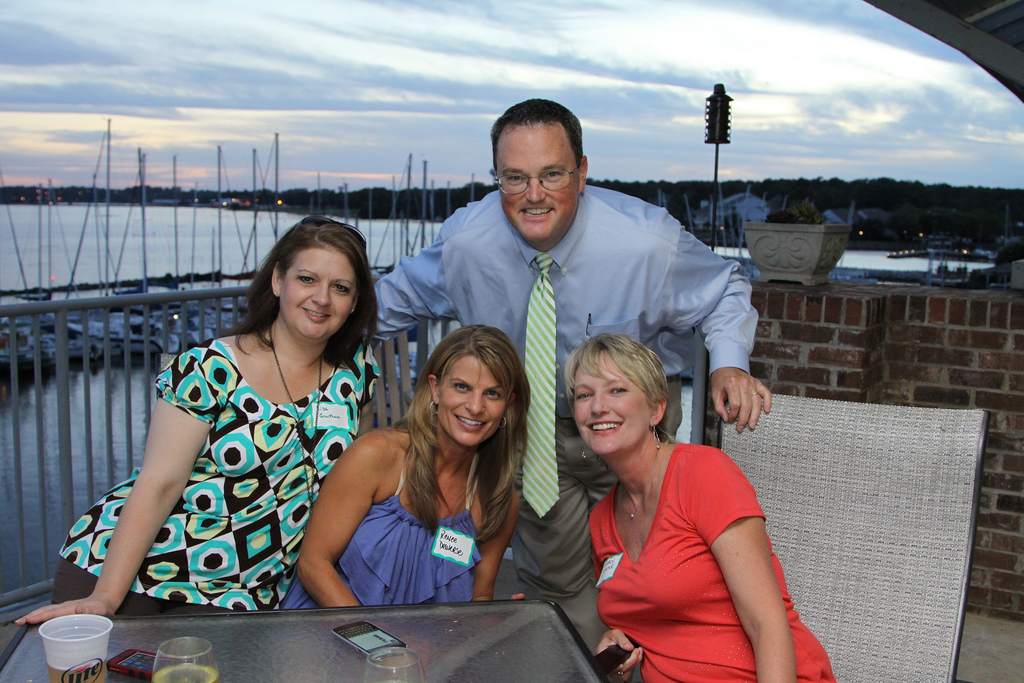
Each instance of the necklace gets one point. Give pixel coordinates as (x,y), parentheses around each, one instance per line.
(625,495)
(308,443)
(631,514)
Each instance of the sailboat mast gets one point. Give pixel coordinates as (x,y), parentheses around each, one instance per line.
(423,210)
(39,242)
(406,247)
(255,217)
(106,231)
(195,211)
(142,184)
(49,238)
(277,203)
(174,184)
(220,222)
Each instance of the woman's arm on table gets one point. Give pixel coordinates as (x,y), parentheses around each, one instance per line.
(351,487)
(485,573)
(744,556)
(172,446)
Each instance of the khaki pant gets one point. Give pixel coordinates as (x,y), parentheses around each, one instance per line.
(553,555)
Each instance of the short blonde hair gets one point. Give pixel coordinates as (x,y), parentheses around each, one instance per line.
(636,362)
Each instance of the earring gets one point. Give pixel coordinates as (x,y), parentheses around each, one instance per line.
(656,439)
(433,406)
(503,423)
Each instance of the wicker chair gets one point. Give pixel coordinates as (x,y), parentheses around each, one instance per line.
(871,510)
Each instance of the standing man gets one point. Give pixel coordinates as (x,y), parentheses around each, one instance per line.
(552,263)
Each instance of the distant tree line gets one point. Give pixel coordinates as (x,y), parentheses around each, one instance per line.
(978,214)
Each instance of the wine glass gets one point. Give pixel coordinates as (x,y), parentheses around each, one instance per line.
(394,665)
(185,660)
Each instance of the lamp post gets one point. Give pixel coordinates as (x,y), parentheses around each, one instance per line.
(718,120)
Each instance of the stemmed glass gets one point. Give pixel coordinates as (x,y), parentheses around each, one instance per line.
(185,660)
(394,665)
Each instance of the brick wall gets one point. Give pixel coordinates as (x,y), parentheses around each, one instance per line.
(921,346)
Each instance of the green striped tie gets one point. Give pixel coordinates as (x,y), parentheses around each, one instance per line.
(540,474)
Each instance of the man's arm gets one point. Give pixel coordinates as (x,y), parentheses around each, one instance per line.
(713,287)
(415,290)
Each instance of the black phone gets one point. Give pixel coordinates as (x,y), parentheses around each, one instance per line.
(134,664)
(611,657)
(366,637)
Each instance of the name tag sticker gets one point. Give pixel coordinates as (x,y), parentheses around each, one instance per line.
(332,416)
(452,546)
(608,570)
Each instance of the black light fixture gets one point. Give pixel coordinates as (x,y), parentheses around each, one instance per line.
(718,120)
(717,117)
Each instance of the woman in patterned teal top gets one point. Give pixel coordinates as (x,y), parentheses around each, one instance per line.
(214,517)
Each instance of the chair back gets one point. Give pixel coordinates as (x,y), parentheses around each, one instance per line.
(393,393)
(871,510)
(164,361)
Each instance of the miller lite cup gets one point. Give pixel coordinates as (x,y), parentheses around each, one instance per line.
(76,648)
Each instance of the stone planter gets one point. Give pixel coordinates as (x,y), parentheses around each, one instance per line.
(796,252)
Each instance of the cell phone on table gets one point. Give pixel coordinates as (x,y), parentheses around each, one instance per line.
(134,664)
(611,657)
(366,637)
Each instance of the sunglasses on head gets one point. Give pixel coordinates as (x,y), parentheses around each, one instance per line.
(321,221)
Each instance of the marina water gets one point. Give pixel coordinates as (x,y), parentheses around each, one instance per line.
(42,246)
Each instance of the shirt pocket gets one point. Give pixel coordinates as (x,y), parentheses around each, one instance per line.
(627,326)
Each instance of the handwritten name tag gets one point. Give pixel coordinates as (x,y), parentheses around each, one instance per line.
(452,546)
(608,570)
(332,416)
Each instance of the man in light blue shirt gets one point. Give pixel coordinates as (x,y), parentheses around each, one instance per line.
(620,265)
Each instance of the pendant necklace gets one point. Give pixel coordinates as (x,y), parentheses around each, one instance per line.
(626,495)
(307,443)
(627,511)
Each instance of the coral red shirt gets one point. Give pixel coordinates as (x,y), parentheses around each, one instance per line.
(673,601)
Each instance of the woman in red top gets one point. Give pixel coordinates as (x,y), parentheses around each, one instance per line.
(684,567)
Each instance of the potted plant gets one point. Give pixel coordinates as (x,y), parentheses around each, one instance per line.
(796,245)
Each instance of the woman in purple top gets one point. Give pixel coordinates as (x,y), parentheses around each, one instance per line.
(423,512)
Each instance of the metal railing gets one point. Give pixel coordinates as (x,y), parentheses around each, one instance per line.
(78,426)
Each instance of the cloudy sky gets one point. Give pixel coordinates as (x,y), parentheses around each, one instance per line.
(832,88)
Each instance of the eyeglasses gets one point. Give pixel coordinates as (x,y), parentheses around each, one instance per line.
(555,179)
(321,221)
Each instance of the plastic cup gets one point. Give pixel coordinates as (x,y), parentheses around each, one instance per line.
(393,665)
(76,648)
